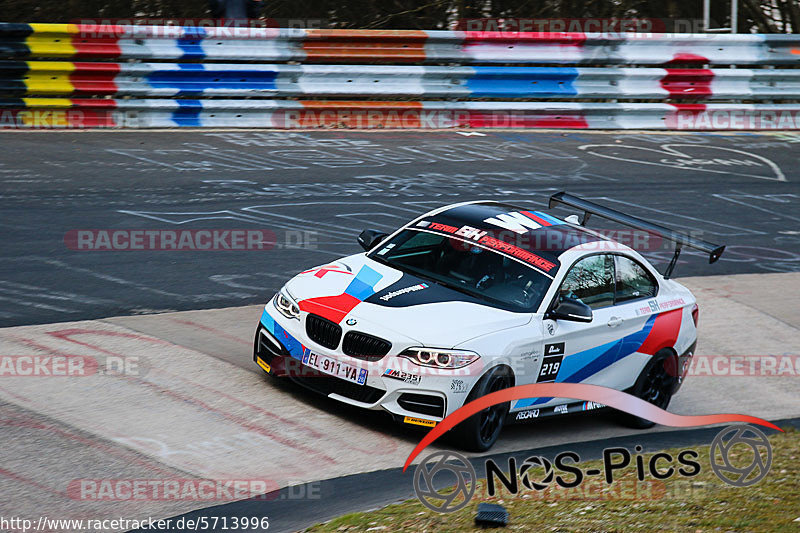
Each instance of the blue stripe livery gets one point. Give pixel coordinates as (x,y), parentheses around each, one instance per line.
(363,285)
(577,367)
(549,218)
(292,345)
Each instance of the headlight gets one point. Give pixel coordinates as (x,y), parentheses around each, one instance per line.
(436,358)
(286,304)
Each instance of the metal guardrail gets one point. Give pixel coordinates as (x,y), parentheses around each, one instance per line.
(306,114)
(390,46)
(193,76)
(259,80)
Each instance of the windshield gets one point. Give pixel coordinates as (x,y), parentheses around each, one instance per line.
(487,275)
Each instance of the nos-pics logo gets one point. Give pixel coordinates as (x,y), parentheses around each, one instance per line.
(741,438)
(452,469)
(445,481)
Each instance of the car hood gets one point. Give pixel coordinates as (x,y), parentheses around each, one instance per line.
(373,295)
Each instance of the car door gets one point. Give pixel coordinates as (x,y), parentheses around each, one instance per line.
(580,347)
(578,352)
(634,287)
(599,352)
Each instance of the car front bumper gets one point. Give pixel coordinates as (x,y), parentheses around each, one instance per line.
(415,395)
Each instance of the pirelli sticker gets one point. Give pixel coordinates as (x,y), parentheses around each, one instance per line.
(419,421)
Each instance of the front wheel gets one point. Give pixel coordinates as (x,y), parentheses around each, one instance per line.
(654,385)
(479,432)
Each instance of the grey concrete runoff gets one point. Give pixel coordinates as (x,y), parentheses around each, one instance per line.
(195,407)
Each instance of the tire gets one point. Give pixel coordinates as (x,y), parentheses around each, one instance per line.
(479,432)
(655,385)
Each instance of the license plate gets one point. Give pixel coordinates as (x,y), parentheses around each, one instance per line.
(332,367)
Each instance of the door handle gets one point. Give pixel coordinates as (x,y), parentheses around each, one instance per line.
(614,322)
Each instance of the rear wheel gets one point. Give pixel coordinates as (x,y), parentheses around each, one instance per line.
(654,385)
(479,432)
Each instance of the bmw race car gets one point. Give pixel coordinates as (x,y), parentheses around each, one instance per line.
(479,296)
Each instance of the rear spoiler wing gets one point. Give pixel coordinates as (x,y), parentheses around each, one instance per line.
(680,239)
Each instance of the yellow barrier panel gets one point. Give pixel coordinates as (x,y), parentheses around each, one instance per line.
(49,77)
(52,40)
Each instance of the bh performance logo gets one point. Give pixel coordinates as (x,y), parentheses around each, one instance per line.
(538,473)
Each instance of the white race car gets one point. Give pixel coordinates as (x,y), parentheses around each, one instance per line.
(475,297)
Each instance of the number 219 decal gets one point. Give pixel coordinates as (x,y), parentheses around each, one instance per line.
(553,354)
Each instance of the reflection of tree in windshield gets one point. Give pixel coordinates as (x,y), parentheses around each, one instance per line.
(633,281)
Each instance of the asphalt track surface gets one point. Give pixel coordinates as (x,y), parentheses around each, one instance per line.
(322,188)
(315,191)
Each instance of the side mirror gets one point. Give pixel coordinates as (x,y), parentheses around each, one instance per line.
(371,238)
(572,310)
